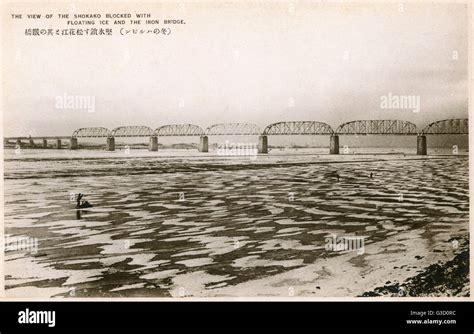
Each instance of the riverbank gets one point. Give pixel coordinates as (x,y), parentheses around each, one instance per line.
(448,278)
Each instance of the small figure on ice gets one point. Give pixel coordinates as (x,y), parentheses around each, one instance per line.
(82,204)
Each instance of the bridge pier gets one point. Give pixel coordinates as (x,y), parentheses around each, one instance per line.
(421,147)
(74,143)
(262,144)
(153,146)
(45,143)
(203,144)
(58,144)
(110,144)
(334,144)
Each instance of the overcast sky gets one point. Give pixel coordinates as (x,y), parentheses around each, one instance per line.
(258,63)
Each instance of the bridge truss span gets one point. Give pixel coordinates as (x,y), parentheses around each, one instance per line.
(458,126)
(377,127)
(92,132)
(132,131)
(233,129)
(298,128)
(179,130)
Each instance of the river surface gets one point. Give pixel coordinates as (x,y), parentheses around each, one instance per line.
(216,222)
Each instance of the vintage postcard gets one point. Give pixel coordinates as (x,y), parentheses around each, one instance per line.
(224,150)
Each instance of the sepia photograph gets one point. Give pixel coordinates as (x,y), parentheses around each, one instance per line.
(289,150)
